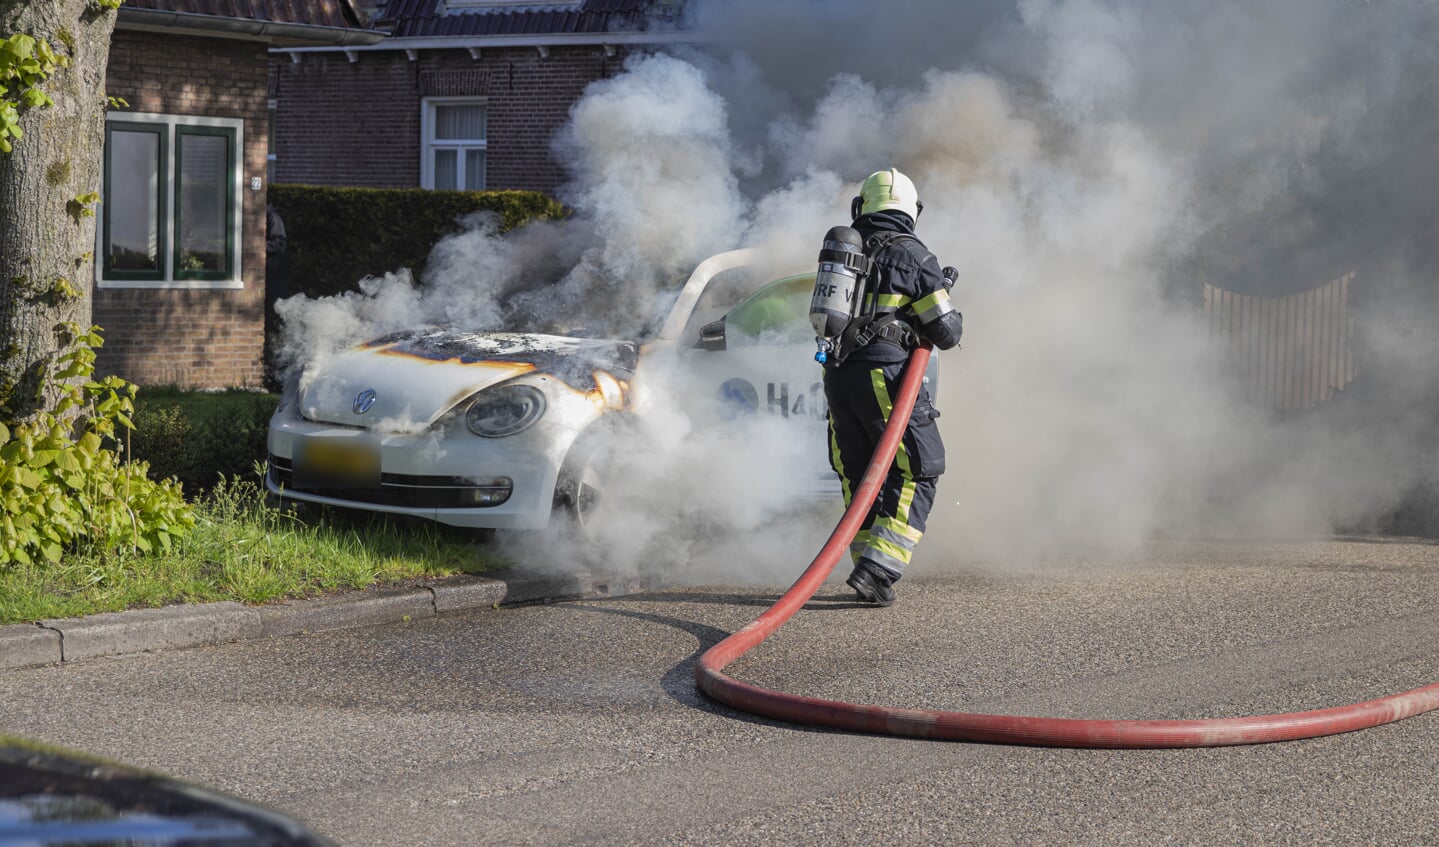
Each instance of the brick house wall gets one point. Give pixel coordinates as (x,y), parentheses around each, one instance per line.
(343,123)
(194,338)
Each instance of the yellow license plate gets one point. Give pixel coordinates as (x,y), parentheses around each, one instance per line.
(336,463)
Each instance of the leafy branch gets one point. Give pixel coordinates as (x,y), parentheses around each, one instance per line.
(25,63)
(61,486)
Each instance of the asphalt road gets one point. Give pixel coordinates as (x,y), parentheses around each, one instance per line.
(578,722)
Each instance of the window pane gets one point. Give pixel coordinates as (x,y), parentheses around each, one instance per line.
(204,162)
(132,211)
(446,170)
(475,170)
(460,122)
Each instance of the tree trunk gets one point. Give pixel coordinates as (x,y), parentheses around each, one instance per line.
(46,239)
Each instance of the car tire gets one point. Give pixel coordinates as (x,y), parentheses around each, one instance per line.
(580,488)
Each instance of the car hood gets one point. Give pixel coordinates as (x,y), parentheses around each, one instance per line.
(407,380)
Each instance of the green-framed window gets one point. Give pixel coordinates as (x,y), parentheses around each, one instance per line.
(204,200)
(171,209)
(136,164)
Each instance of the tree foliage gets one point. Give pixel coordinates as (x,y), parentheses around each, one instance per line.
(62,482)
(25,63)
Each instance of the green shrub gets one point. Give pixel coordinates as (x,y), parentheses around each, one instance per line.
(338,236)
(61,488)
(200,437)
(161,437)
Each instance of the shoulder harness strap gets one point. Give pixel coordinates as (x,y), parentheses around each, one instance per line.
(881,240)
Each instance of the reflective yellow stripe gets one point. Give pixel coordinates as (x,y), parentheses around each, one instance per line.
(931,301)
(838,463)
(887,302)
(906,492)
(932,308)
(881,392)
(892,542)
(856,547)
(888,549)
(894,563)
(901,456)
(897,530)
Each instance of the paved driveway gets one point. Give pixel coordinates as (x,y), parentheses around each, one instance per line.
(578,723)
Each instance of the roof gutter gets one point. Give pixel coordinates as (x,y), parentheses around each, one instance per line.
(245,28)
(480,42)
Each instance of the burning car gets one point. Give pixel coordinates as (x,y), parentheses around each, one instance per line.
(503,429)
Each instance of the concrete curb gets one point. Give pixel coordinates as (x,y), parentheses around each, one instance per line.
(28,644)
(175,627)
(344,611)
(153,629)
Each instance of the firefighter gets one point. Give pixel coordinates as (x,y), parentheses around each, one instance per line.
(910,301)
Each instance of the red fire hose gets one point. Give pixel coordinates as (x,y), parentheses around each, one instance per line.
(1003,729)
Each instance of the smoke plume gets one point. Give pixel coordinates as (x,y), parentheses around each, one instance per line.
(1088,166)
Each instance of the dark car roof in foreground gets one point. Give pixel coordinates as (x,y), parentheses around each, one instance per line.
(52,796)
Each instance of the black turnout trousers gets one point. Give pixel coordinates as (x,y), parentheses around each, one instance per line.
(861,398)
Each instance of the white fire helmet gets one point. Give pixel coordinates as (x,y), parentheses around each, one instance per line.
(887,189)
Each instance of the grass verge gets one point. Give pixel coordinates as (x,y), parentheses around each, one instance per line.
(241,549)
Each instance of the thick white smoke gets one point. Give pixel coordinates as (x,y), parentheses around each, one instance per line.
(1087,165)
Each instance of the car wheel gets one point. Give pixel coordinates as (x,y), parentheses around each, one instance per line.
(581,487)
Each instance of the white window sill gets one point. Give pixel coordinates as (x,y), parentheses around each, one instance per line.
(199,284)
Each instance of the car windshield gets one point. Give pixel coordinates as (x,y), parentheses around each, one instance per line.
(777,313)
(750,302)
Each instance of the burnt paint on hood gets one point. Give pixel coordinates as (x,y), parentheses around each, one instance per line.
(573,360)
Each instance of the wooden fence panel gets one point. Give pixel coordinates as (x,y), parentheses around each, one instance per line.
(1294,351)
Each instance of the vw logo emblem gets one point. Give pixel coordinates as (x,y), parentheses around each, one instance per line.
(364,400)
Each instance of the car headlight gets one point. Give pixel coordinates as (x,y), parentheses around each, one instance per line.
(498,412)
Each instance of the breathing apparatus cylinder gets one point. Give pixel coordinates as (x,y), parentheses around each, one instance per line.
(843,268)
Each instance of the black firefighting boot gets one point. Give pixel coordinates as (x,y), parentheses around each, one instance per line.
(870,585)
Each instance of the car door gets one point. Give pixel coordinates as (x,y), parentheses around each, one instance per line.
(758,360)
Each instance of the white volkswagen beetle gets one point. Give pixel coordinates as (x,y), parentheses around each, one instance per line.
(500,430)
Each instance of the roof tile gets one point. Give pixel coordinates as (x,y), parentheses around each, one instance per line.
(423,18)
(331,13)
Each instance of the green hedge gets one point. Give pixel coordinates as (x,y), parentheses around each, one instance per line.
(338,236)
(197,437)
